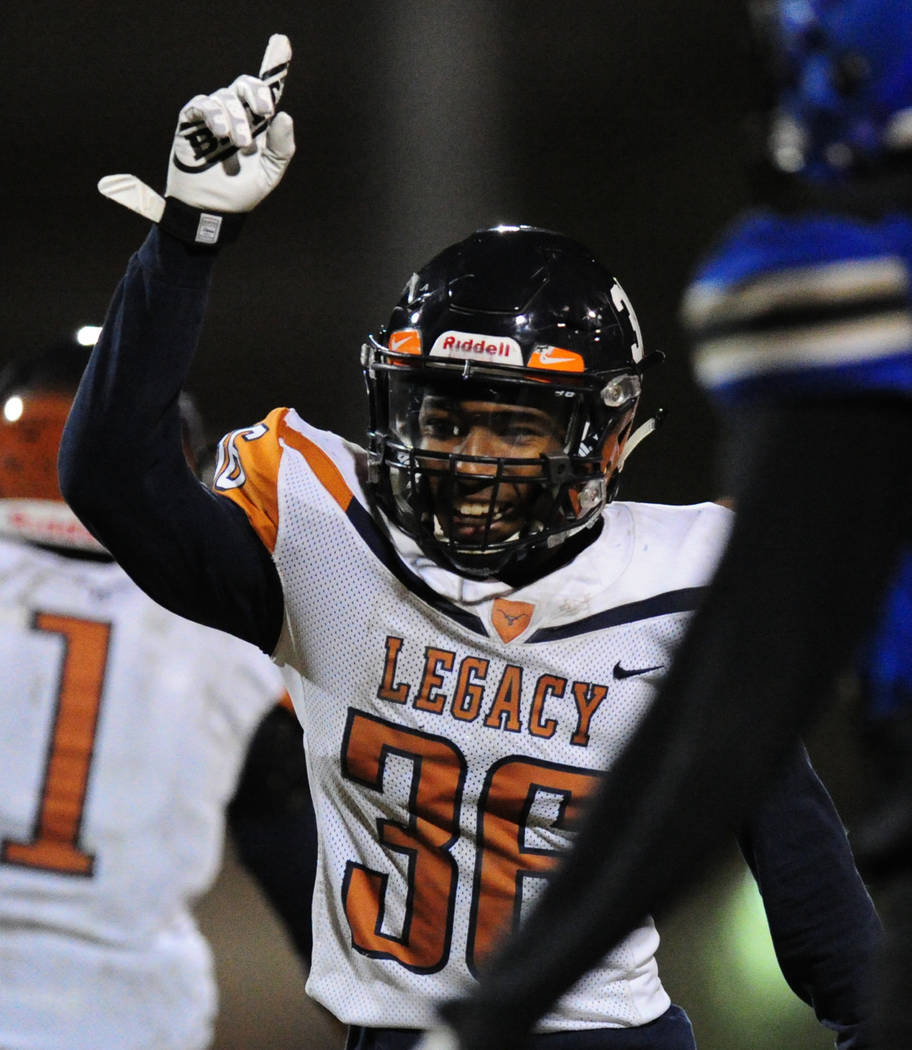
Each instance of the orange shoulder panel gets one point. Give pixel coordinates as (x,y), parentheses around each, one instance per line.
(247,472)
(326,472)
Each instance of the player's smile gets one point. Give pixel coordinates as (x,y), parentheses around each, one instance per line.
(485,501)
(473,508)
(477,519)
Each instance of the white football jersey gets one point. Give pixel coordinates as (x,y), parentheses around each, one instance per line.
(122,732)
(453,727)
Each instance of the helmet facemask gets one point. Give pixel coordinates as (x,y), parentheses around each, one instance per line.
(488,469)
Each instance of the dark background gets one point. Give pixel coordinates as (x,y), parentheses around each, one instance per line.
(619,123)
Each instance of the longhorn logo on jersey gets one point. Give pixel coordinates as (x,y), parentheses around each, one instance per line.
(510,619)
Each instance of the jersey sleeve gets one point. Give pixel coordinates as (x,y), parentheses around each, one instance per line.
(247,472)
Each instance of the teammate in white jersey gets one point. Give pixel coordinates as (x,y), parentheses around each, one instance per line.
(123,729)
(474,630)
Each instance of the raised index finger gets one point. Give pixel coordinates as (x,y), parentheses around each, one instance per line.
(274,67)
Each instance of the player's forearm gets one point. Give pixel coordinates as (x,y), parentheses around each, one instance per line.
(122,448)
(272,823)
(822,920)
(124,428)
(122,463)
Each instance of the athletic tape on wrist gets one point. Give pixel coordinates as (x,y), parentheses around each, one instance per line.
(198,226)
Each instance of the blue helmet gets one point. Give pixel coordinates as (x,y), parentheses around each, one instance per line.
(845,91)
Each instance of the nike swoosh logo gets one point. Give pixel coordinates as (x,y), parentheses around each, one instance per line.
(629,672)
(399,340)
(554,358)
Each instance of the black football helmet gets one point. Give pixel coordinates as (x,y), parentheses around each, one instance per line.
(518,331)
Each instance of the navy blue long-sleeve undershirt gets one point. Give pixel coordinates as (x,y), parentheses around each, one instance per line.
(822,922)
(122,467)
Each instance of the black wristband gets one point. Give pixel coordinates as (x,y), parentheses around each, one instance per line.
(195,226)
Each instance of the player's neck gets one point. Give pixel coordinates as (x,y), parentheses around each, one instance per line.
(542,562)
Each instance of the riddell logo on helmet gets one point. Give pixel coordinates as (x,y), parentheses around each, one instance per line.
(469,346)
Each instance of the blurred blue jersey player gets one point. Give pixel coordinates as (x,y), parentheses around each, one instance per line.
(801,321)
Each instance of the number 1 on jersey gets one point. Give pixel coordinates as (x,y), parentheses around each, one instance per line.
(54,845)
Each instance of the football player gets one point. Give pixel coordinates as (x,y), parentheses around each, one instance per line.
(802,326)
(123,730)
(473,625)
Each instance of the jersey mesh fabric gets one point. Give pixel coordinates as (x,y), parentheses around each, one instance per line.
(377,696)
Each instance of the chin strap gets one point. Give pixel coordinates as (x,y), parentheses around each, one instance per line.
(640,434)
(656,357)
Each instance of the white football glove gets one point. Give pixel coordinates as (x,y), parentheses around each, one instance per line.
(222,160)
(230,150)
